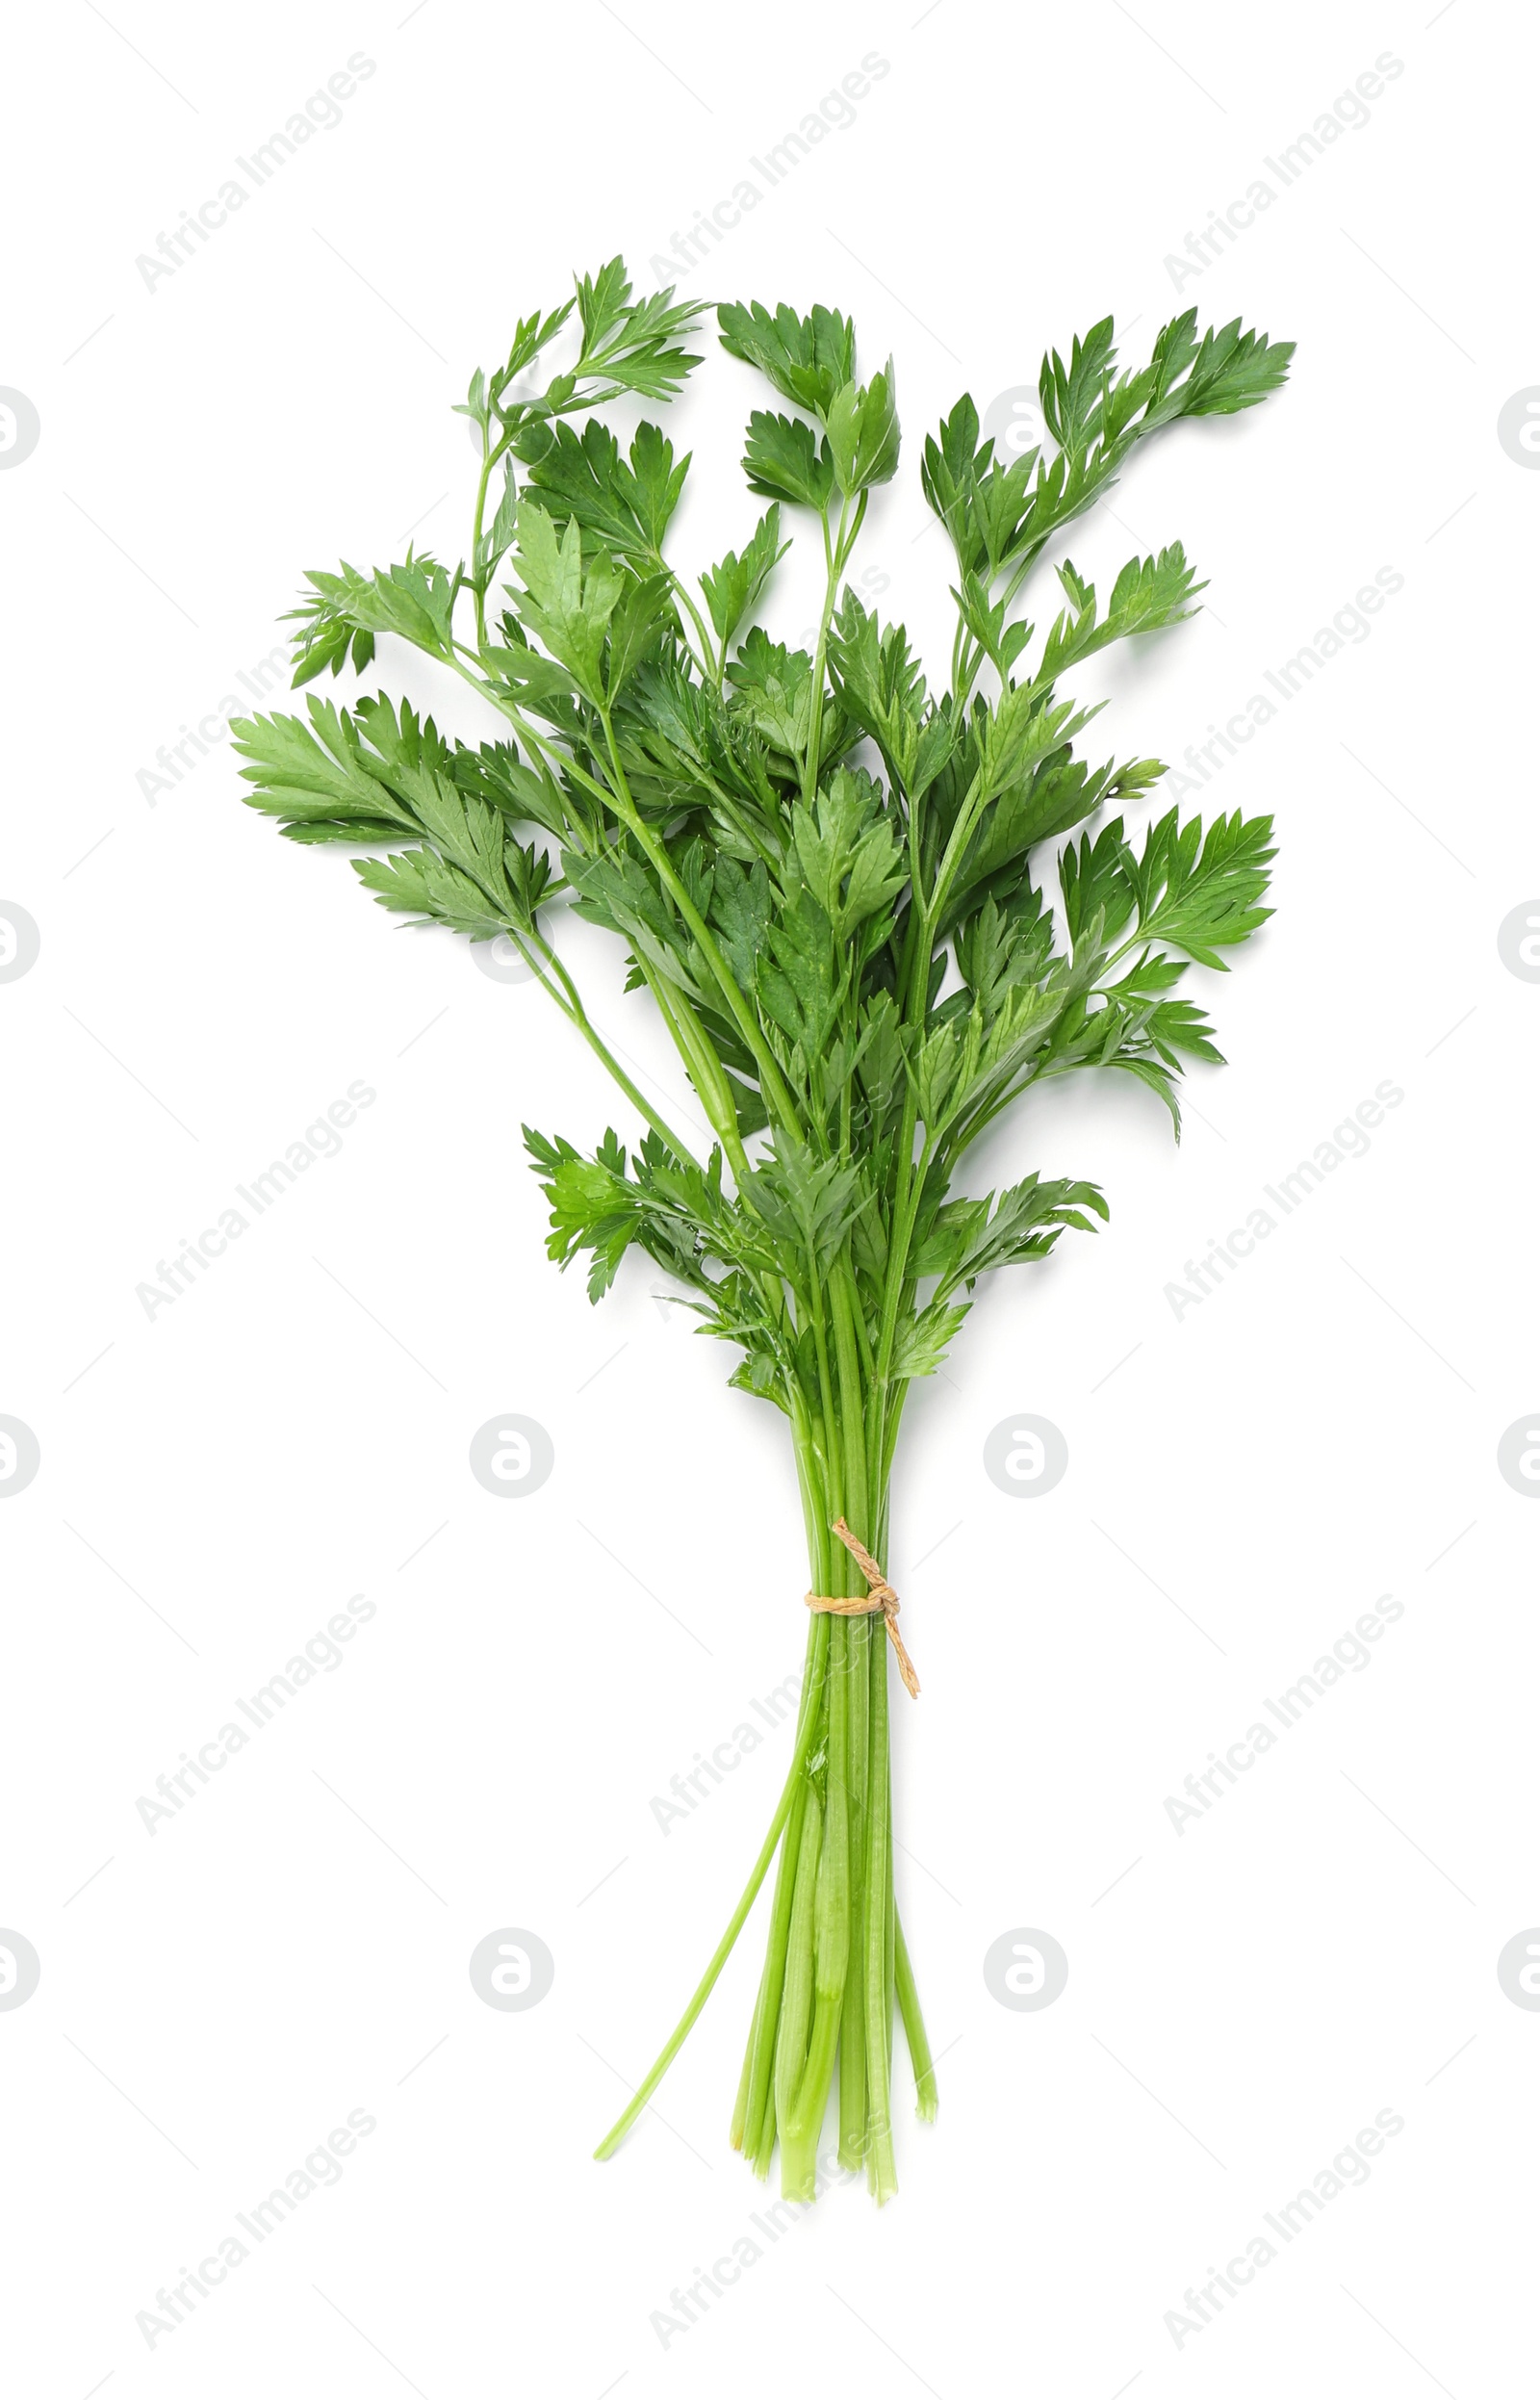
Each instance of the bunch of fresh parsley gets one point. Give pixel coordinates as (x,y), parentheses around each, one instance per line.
(832,880)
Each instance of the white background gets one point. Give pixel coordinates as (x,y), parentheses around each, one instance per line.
(1244,1479)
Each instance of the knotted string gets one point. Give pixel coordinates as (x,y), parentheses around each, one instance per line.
(880,1598)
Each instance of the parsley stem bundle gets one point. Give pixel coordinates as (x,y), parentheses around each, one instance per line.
(823,875)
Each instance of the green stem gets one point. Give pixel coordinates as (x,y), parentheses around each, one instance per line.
(573,1009)
(705,658)
(797,1988)
(491,453)
(808,1721)
(852,1414)
(760,2106)
(703,1065)
(815,1512)
(852,2020)
(914,2033)
(802,2111)
(772,1082)
(835,1479)
(838,555)
(877,1982)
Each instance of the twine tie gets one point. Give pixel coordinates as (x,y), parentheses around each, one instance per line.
(880,1599)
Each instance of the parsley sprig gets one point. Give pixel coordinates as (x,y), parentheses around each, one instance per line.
(836,883)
